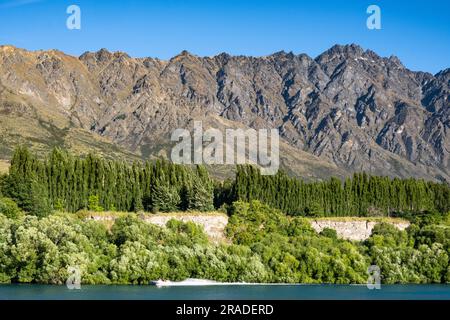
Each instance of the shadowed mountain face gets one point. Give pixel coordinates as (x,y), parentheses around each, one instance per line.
(346,110)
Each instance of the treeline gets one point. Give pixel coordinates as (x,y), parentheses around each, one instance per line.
(67,183)
(63,182)
(363,195)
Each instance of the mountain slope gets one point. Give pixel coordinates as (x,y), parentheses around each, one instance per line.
(346,110)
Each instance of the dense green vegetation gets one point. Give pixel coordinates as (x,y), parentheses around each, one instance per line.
(39,239)
(63,182)
(295,253)
(363,195)
(267,246)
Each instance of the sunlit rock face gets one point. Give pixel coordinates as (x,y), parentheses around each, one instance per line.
(346,110)
(357,230)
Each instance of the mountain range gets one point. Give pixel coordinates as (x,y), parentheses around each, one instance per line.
(347,110)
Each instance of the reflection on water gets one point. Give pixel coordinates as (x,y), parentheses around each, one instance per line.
(259,292)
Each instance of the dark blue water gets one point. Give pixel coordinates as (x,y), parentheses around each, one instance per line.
(256,292)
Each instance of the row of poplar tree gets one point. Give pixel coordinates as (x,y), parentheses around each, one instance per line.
(64,182)
(67,183)
(361,195)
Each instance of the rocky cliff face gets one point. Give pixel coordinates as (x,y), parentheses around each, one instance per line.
(214,224)
(354,229)
(346,110)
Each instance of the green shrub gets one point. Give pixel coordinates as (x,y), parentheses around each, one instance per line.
(9,208)
(329,233)
(94,204)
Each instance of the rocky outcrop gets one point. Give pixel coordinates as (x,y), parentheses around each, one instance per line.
(346,110)
(213,225)
(356,229)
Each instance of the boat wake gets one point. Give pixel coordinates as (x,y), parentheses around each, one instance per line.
(193,283)
(204,282)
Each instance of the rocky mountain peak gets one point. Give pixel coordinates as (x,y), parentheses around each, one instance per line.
(340,52)
(396,61)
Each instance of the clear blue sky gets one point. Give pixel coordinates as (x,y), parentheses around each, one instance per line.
(418,32)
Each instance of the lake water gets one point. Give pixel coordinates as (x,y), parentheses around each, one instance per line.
(252,292)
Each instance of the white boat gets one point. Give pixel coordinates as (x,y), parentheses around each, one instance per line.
(160,283)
